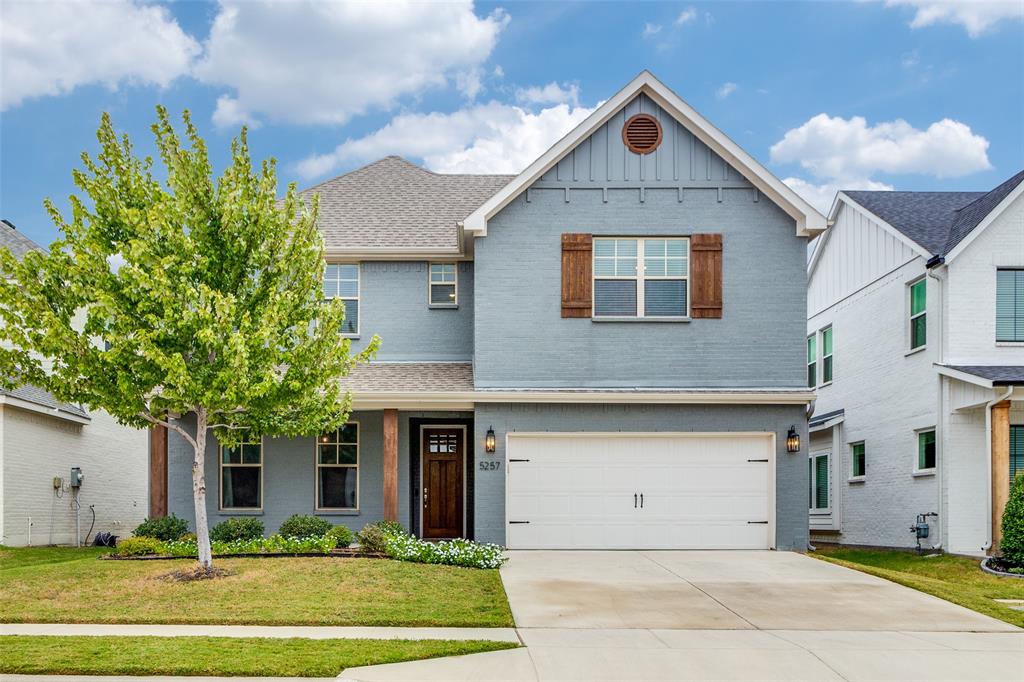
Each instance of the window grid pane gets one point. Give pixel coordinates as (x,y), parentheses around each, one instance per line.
(337,468)
(1010,305)
(859,459)
(241,474)
(926,450)
(821,482)
(341,280)
(917,297)
(1016,451)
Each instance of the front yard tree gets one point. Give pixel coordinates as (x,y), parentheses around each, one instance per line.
(184,297)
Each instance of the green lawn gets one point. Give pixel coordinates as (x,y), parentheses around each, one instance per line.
(65,585)
(215,655)
(953,578)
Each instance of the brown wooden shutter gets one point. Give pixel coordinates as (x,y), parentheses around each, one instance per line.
(576,274)
(706,275)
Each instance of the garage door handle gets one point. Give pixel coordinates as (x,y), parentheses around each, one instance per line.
(641,500)
(758,522)
(511,522)
(634,500)
(757,460)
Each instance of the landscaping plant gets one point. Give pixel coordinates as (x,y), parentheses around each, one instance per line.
(1012,544)
(166,528)
(343,537)
(388,537)
(139,545)
(304,526)
(173,293)
(237,528)
(275,544)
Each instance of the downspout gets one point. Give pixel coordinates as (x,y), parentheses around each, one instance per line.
(940,419)
(988,464)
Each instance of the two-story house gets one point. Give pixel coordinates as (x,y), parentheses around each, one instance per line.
(603,351)
(915,344)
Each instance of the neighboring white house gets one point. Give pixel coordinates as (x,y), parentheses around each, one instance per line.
(916,347)
(42,439)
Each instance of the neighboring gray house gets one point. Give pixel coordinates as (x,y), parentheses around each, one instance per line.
(604,351)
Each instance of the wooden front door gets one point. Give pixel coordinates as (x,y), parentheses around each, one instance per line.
(443,461)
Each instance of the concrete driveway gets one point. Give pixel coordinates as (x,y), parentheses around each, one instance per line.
(723,616)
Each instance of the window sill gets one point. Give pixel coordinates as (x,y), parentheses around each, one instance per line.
(354,337)
(827,383)
(922,473)
(640,319)
(820,512)
(336,512)
(1010,344)
(241,512)
(856,479)
(443,306)
(913,351)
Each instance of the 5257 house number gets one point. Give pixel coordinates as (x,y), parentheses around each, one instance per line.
(489,466)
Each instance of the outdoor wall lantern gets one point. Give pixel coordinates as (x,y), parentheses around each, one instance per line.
(792,440)
(489,444)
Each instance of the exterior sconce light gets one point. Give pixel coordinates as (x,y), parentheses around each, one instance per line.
(792,440)
(489,443)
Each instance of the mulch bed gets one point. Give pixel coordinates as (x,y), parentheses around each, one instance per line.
(196,573)
(997,566)
(348,553)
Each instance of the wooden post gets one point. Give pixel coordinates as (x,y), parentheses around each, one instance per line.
(391,465)
(157,472)
(1000,468)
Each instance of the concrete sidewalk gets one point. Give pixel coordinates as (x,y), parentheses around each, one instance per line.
(276,631)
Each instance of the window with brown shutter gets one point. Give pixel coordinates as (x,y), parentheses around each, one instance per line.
(706,275)
(576,278)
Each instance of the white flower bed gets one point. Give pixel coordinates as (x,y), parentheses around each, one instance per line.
(449,552)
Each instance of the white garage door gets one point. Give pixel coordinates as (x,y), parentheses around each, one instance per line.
(640,491)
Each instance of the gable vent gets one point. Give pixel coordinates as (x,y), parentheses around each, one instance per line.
(642,134)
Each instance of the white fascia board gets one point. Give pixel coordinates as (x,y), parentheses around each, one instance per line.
(825,425)
(983,225)
(917,248)
(392,253)
(809,222)
(42,409)
(964,376)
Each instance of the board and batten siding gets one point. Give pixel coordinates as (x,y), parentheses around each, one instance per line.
(857,251)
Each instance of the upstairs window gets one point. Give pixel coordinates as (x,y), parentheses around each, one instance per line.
(926,450)
(860,463)
(918,318)
(341,280)
(241,477)
(812,361)
(642,278)
(1010,305)
(443,284)
(826,355)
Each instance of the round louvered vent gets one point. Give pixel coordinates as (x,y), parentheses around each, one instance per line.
(642,134)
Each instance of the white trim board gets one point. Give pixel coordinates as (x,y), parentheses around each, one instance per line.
(809,222)
(55,412)
(988,220)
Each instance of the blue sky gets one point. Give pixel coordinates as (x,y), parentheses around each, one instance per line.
(904,94)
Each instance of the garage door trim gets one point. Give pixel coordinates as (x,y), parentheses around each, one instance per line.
(769,435)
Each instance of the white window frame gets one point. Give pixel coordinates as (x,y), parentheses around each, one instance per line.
(813,336)
(911,316)
(1005,342)
(220,479)
(454,303)
(640,277)
(812,458)
(854,476)
(356,298)
(918,471)
(821,345)
(317,466)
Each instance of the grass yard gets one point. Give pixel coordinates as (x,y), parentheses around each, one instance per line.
(67,585)
(234,656)
(953,578)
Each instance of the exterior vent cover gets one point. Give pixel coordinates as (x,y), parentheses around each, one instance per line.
(642,134)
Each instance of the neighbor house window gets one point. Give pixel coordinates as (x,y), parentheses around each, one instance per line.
(643,278)
(817,498)
(826,355)
(859,456)
(812,361)
(341,280)
(1010,305)
(443,284)
(241,477)
(1016,451)
(918,319)
(337,469)
(925,450)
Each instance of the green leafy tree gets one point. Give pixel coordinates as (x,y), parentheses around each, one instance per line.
(191,296)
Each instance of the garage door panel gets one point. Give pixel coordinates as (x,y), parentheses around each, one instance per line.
(699,491)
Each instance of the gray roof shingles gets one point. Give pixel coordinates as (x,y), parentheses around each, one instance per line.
(999,375)
(18,243)
(410,377)
(393,203)
(938,221)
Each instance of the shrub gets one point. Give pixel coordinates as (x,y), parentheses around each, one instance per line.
(139,545)
(304,526)
(187,537)
(342,536)
(167,528)
(1012,544)
(374,536)
(240,528)
(275,544)
(448,552)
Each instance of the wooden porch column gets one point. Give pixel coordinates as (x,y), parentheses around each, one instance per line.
(1000,468)
(391,465)
(157,472)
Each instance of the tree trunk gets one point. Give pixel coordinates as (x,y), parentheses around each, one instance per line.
(199,491)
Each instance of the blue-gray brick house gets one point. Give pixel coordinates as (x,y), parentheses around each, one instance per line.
(604,351)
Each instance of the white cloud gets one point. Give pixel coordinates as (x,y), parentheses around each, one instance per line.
(651,30)
(324,62)
(976,16)
(469,83)
(725,90)
(485,138)
(834,147)
(687,16)
(552,93)
(52,48)
(821,195)
(229,114)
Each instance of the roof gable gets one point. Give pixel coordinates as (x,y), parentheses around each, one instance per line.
(18,243)
(809,221)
